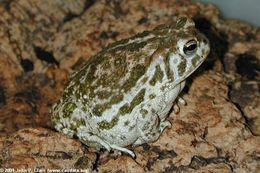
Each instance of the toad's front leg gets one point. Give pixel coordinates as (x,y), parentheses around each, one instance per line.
(179,99)
(176,107)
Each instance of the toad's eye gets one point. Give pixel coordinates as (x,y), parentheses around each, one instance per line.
(190,47)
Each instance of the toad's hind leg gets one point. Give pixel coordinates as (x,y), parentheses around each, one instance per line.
(124,150)
(92,140)
(95,141)
(150,128)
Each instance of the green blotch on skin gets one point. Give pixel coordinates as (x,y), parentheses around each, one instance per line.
(91,94)
(195,60)
(137,72)
(183,34)
(81,122)
(167,43)
(103,94)
(92,63)
(88,73)
(152,96)
(118,68)
(67,93)
(203,51)
(77,123)
(127,108)
(182,67)
(157,77)
(85,109)
(55,118)
(181,22)
(163,88)
(68,109)
(144,79)
(100,108)
(142,34)
(143,112)
(136,46)
(105,125)
(106,65)
(119,62)
(131,128)
(168,70)
(126,123)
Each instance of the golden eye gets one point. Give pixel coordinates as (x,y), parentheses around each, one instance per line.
(190,47)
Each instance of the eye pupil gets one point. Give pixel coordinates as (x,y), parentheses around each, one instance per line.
(190,47)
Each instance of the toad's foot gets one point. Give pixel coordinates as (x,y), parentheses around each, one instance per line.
(176,107)
(97,142)
(181,100)
(164,125)
(124,150)
(151,136)
(94,141)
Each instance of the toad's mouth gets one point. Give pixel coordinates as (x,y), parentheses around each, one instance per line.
(189,72)
(182,80)
(194,69)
